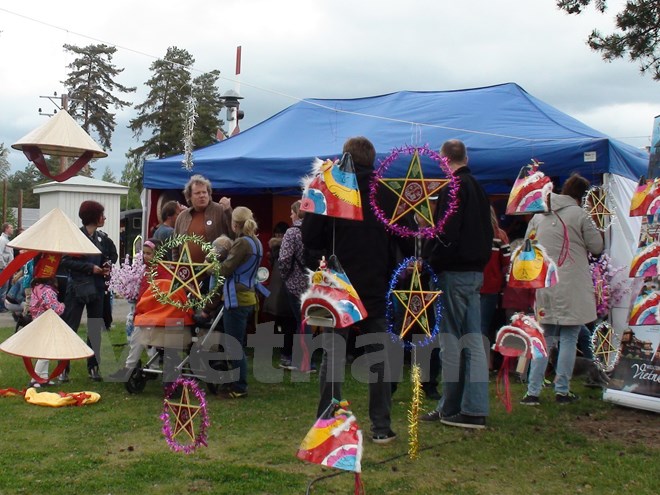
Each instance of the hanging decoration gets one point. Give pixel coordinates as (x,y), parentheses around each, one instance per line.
(331,300)
(186,416)
(523,337)
(645,261)
(646,197)
(531,267)
(413,410)
(415,303)
(530,191)
(597,204)
(335,441)
(413,193)
(332,189)
(607,289)
(605,346)
(645,307)
(59,136)
(189,132)
(186,274)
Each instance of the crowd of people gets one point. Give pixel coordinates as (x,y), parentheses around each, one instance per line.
(470,257)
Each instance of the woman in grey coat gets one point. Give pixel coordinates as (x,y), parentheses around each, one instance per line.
(568,236)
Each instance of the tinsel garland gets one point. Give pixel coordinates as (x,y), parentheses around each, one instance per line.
(201,437)
(596,203)
(189,133)
(413,412)
(402,230)
(602,275)
(605,347)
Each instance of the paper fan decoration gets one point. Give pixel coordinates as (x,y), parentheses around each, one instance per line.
(47,337)
(332,189)
(522,337)
(645,307)
(59,136)
(335,441)
(331,300)
(413,193)
(531,267)
(645,262)
(646,198)
(597,204)
(530,191)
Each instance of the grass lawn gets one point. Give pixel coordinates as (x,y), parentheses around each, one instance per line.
(115,447)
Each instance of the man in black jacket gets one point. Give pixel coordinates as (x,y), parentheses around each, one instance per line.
(367,255)
(458,255)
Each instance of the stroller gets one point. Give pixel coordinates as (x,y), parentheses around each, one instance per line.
(195,342)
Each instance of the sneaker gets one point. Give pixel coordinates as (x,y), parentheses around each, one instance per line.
(530,400)
(64,377)
(36,384)
(568,398)
(431,416)
(94,374)
(234,394)
(383,438)
(286,364)
(464,421)
(546,383)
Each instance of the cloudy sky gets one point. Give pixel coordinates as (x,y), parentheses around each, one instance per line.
(295,49)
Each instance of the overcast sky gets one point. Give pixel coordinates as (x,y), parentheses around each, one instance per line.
(295,49)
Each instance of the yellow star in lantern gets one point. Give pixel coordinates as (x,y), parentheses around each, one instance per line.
(604,345)
(186,273)
(184,414)
(416,302)
(597,209)
(413,192)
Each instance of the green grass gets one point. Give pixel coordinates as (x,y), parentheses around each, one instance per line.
(115,446)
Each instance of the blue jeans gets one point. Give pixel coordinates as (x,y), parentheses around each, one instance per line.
(235,325)
(464,362)
(566,336)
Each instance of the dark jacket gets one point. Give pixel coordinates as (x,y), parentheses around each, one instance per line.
(81,268)
(467,238)
(366,252)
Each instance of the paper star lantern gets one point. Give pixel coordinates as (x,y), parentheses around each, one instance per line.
(186,275)
(596,203)
(413,193)
(191,420)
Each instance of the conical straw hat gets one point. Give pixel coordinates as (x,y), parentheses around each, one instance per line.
(61,136)
(54,233)
(47,337)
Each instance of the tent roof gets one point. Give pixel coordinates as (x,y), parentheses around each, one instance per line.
(503,127)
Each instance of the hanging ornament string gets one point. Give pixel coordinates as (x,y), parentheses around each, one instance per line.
(415,406)
(189,132)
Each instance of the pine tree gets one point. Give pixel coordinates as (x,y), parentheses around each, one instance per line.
(164,110)
(4,163)
(108,176)
(92,87)
(209,105)
(637,35)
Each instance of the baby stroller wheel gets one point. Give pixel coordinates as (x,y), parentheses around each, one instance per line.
(136,382)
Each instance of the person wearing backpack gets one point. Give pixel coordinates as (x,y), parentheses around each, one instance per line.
(294,274)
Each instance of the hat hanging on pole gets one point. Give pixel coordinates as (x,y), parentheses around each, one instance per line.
(59,136)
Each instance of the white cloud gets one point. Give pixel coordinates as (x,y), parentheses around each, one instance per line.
(328,49)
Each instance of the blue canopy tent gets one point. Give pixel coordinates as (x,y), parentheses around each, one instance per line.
(503,127)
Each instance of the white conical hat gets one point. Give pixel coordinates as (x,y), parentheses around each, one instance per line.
(47,337)
(54,233)
(60,136)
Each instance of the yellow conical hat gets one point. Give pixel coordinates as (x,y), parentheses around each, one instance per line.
(47,337)
(61,136)
(54,233)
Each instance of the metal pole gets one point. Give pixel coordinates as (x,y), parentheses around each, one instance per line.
(65,107)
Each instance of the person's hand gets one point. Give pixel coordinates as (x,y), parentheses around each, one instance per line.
(225,202)
(97,270)
(180,208)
